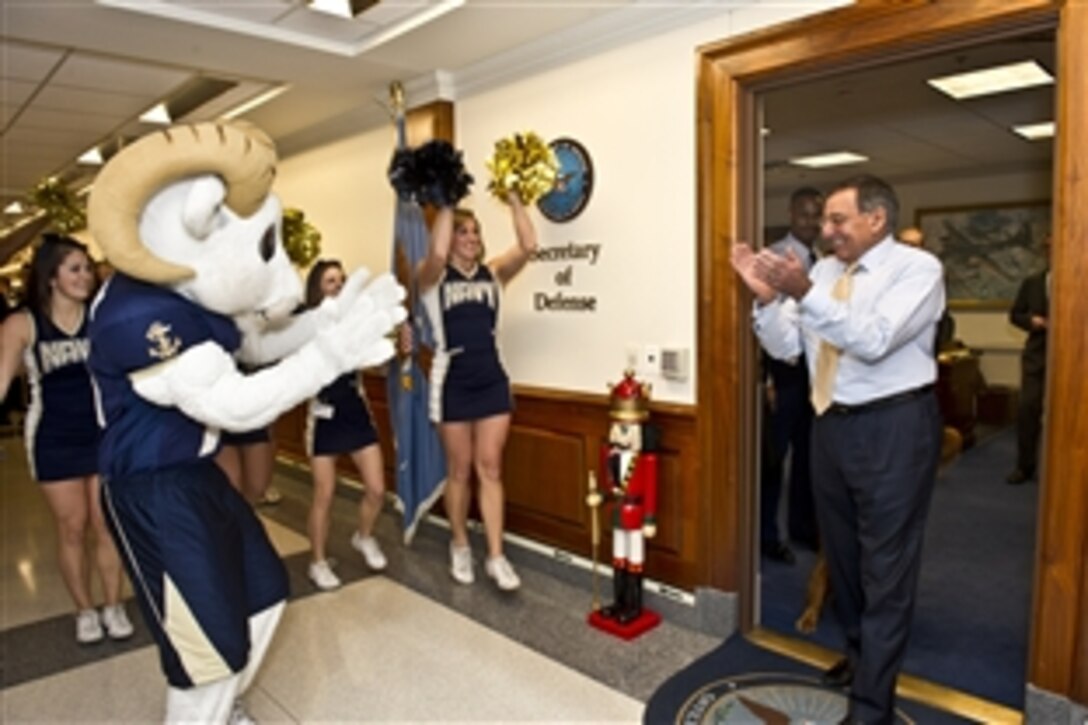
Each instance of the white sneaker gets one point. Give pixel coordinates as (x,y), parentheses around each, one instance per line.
(322,577)
(461,564)
(499,569)
(368,547)
(88,626)
(271,497)
(116,621)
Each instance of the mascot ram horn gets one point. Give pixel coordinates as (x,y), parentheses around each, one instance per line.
(187,218)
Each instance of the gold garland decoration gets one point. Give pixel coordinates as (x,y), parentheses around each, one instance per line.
(301,240)
(64,210)
(523,164)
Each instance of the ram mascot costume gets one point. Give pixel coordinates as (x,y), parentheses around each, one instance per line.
(187,218)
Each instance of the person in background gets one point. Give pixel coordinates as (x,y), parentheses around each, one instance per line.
(470,391)
(1029,312)
(7,402)
(866,318)
(787,409)
(50,338)
(248,460)
(339,421)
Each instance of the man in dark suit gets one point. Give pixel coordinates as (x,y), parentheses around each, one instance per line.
(1029,313)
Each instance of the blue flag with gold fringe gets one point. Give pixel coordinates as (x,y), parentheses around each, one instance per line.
(420,460)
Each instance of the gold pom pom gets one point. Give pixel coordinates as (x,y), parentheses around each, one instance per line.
(301,240)
(523,164)
(65,212)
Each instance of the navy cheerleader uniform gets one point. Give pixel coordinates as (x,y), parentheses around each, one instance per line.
(61,427)
(199,559)
(338,419)
(468,381)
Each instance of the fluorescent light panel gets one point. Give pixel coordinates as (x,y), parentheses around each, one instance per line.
(247,106)
(998,79)
(836,158)
(339,8)
(157,114)
(91,157)
(1035,131)
(208,18)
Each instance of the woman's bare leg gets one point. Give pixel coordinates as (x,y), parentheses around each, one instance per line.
(457,441)
(489,440)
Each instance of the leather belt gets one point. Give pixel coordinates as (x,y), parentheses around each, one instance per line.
(844,409)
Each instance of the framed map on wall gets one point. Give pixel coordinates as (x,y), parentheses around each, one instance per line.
(987,250)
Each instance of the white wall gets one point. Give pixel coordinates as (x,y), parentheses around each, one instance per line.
(342,189)
(634,109)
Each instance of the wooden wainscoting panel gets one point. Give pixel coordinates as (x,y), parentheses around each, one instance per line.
(543,474)
(555,440)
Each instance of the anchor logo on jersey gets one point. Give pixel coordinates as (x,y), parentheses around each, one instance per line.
(163,345)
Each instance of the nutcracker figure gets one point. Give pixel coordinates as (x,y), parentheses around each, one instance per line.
(629,473)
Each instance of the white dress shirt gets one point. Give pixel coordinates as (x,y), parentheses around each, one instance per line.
(886,329)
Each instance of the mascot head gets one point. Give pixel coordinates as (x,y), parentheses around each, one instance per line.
(190,207)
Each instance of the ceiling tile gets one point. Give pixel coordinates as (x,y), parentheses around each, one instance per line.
(27,62)
(93,123)
(118,76)
(7,112)
(61,98)
(16,93)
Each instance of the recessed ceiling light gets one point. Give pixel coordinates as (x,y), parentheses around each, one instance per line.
(91,157)
(341,8)
(14,207)
(998,79)
(1035,131)
(836,158)
(158,114)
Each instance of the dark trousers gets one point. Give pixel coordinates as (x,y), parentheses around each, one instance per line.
(788,430)
(873,474)
(1029,418)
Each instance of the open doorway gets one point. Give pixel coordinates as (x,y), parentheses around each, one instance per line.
(731,75)
(974,175)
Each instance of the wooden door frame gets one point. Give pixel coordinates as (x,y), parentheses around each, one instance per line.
(730,74)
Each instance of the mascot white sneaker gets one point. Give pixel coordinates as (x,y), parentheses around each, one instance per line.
(187,219)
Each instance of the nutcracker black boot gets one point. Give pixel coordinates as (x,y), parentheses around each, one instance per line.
(619,589)
(633,601)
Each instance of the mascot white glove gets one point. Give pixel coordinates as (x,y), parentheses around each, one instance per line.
(348,334)
(264,341)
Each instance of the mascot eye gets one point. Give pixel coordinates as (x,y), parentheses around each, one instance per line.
(268,243)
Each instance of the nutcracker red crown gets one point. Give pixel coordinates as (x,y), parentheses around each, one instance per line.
(629,399)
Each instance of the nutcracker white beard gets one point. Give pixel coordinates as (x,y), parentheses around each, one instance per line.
(626,436)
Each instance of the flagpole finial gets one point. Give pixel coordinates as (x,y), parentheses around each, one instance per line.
(396,97)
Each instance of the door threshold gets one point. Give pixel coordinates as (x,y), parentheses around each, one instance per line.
(909,687)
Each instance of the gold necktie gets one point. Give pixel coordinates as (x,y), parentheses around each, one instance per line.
(827,359)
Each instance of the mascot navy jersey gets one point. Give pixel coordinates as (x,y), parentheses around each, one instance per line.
(136,326)
(468,381)
(61,430)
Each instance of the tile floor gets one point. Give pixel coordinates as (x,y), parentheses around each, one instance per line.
(409,645)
